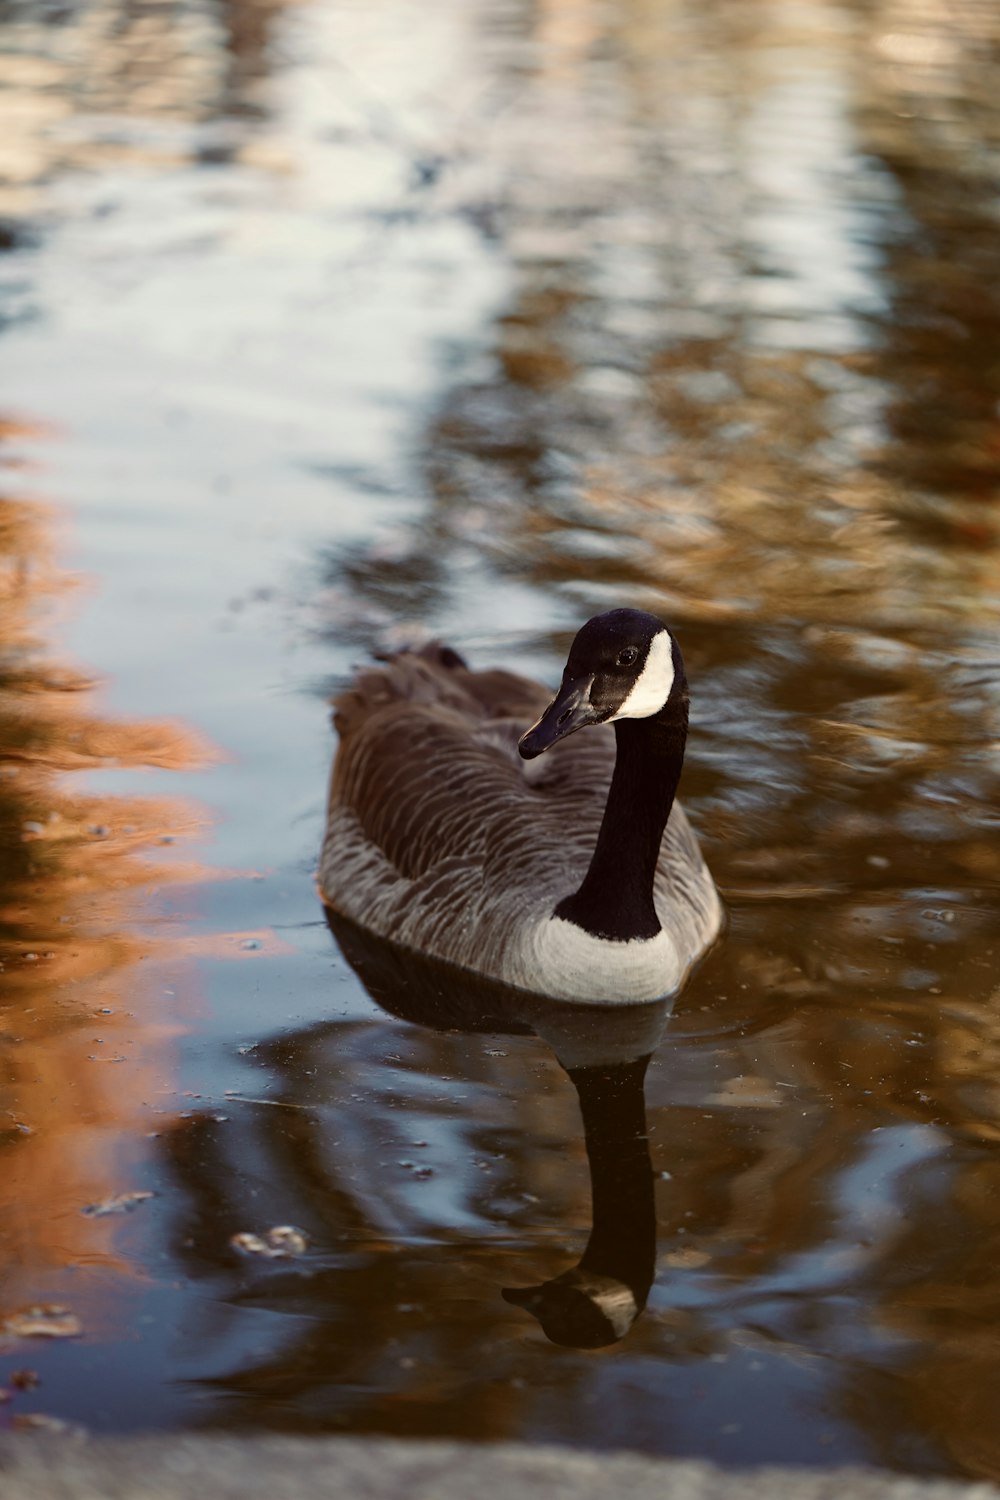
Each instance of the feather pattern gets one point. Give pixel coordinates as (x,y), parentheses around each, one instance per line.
(441,838)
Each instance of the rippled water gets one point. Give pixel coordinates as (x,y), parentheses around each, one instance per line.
(323,319)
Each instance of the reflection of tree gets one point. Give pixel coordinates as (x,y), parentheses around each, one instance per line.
(140,58)
(931,115)
(247,27)
(77,1068)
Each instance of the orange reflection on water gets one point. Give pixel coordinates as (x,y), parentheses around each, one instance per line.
(87,1032)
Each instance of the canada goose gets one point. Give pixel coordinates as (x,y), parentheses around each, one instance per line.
(554,878)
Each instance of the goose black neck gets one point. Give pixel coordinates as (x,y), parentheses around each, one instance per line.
(616,898)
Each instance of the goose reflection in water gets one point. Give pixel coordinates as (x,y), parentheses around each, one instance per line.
(424,1165)
(606,1052)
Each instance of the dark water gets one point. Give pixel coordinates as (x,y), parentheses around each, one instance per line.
(326,318)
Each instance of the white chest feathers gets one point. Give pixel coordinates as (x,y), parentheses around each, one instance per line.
(571,964)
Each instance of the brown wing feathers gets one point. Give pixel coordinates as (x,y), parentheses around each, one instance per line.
(413,767)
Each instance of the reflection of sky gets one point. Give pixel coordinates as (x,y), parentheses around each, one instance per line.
(271,337)
(812,199)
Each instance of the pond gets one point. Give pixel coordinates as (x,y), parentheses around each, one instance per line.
(324,322)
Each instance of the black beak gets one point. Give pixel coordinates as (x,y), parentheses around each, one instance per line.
(570,710)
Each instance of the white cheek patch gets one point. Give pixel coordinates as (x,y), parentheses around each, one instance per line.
(652,688)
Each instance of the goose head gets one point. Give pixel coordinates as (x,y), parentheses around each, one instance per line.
(624,664)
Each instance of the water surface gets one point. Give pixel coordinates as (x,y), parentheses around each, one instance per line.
(323,320)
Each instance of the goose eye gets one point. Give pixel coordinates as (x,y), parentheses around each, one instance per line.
(626,657)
